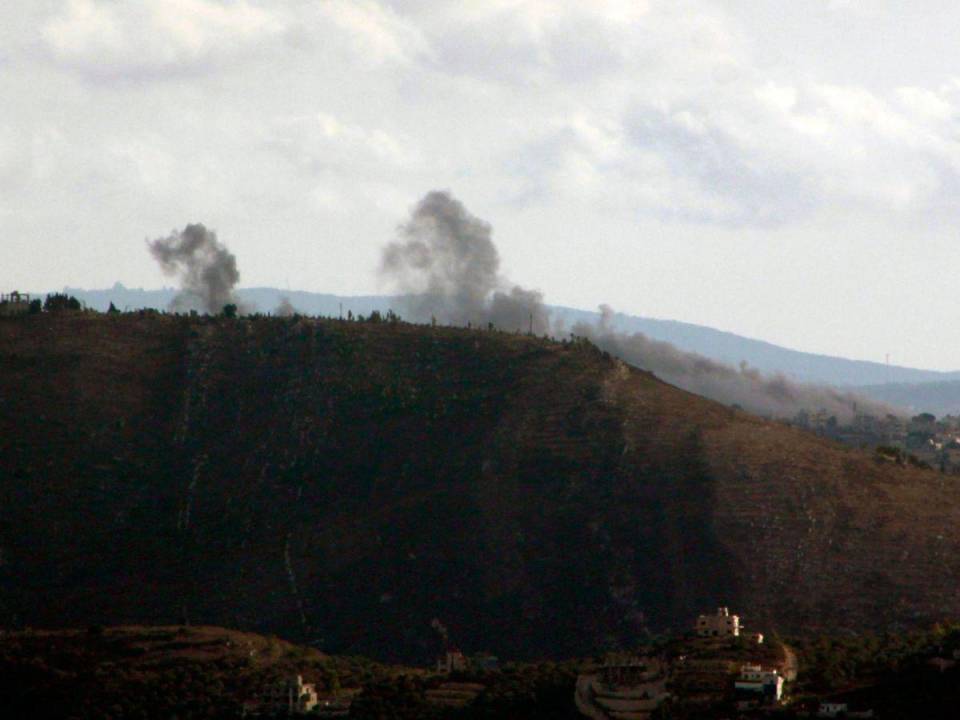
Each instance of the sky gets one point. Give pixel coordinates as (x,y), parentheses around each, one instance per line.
(783,169)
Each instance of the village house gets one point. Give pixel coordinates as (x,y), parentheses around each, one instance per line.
(288,697)
(763,686)
(722,624)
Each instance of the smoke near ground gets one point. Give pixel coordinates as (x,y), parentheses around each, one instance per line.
(770,395)
(206,269)
(446,263)
(285,308)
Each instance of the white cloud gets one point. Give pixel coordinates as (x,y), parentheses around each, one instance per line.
(372,31)
(106,39)
(324,144)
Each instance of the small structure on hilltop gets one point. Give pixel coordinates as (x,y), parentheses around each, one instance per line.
(625,688)
(758,686)
(722,624)
(15,303)
(288,697)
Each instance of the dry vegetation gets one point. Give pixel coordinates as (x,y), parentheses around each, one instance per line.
(346,483)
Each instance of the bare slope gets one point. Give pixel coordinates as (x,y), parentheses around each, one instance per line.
(345,484)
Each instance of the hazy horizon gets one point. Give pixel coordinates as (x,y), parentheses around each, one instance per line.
(173,289)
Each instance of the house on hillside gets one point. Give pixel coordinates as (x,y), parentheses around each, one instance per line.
(754,684)
(291,696)
(722,624)
(15,303)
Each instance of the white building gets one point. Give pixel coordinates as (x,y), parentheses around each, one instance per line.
(766,685)
(723,624)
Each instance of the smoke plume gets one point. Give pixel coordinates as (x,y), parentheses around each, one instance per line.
(770,395)
(206,269)
(445,261)
(285,308)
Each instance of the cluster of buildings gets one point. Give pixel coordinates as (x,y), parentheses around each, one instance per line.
(923,438)
(453,661)
(632,688)
(292,696)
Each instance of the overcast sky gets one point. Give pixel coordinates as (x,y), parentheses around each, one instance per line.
(788,170)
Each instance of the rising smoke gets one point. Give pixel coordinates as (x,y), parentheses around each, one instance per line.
(206,269)
(285,308)
(446,262)
(770,395)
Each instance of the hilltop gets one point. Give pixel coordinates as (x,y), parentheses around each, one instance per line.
(344,484)
(719,345)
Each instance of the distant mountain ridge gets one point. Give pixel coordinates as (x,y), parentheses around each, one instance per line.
(715,344)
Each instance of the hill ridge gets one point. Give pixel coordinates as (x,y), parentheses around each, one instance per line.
(720,345)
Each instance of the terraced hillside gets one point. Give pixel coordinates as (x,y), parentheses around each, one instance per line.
(346,483)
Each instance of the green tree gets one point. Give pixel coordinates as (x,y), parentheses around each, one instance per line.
(58,302)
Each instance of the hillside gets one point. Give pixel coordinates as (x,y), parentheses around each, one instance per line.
(151,671)
(346,483)
(212,672)
(725,347)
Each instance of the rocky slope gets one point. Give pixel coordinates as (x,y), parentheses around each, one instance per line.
(346,483)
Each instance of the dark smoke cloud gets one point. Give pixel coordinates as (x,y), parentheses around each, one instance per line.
(206,269)
(445,261)
(770,395)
